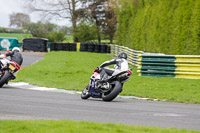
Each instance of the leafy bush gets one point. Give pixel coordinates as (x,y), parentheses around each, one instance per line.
(86,31)
(55,36)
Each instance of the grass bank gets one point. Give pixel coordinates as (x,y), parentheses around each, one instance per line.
(72,70)
(16,35)
(68,126)
(20,37)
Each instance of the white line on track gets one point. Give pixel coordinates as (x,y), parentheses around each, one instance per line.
(28,86)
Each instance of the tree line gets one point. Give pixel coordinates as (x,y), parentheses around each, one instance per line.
(160,26)
(91,19)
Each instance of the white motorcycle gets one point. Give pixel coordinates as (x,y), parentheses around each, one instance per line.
(108,90)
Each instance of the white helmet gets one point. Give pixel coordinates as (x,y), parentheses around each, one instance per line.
(16,48)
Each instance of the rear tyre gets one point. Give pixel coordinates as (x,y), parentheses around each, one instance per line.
(4,78)
(85,93)
(113,93)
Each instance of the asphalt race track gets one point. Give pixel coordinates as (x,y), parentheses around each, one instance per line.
(16,103)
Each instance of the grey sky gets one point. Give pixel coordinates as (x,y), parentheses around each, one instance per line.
(10,6)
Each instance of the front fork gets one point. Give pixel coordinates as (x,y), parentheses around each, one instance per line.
(92,91)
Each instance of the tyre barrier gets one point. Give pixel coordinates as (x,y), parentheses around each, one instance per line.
(35,44)
(103,48)
(84,47)
(94,47)
(90,47)
(62,46)
(97,48)
(53,47)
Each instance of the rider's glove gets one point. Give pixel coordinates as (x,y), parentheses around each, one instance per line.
(99,68)
(2,56)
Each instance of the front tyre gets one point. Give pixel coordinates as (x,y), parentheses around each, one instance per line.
(85,93)
(113,93)
(4,78)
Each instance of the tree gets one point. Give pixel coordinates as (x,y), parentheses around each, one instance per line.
(19,19)
(55,36)
(95,10)
(59,9)
(40,29)
(110,25)
(102,12)
(37,29)
(86,31)
(66,30)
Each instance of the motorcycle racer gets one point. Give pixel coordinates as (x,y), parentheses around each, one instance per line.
(15,57)
(120,64)
(107,83)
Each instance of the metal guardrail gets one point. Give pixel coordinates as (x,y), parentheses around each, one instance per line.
(132,54)
(161,65)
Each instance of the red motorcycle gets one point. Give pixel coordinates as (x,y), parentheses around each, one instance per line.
(7,71)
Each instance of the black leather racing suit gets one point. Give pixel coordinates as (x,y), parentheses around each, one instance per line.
(120,64)
(15,56)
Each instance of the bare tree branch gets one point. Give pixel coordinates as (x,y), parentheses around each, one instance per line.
(67,9)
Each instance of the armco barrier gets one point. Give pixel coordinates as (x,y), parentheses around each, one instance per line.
(132,54)
(178,66)
(161,65)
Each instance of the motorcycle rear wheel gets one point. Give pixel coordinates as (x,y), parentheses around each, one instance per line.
(4,78)
(85,93)
(113,93)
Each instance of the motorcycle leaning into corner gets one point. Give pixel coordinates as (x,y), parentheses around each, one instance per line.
(7,71)
(107,90)
(9,68)
(107,83)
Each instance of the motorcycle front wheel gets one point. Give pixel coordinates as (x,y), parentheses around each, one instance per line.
(4,78)
(85,93)
(113,93)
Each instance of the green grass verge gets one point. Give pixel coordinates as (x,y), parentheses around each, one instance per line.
(72,70)
(16,35)
(69,39)
(68,126)
(67,70)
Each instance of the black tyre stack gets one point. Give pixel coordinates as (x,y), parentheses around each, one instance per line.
(53,46)
(83,47)
(66,46)
(73,47)
(94,47)
(97,48)
(62,46)
(90,47)
(35,44)
(103,48)
(108,49)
